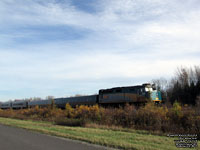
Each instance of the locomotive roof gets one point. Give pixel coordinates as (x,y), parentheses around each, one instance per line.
(127,87)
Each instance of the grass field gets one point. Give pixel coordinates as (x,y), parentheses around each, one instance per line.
(123,139)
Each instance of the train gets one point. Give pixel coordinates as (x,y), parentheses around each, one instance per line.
(138,94)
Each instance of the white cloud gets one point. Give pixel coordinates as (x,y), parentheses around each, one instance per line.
(129,40)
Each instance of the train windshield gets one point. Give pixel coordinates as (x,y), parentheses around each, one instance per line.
(148,89)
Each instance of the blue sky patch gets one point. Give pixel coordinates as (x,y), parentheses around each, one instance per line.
(89,6)
(42,34)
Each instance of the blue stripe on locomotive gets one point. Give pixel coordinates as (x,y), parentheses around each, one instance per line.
(155,96)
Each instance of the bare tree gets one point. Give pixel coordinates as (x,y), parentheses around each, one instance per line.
(161,84)
(50,97)
(182,75)
(185,85)
(37,98)
(197,73)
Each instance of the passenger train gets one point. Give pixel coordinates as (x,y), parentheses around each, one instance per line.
(106,97)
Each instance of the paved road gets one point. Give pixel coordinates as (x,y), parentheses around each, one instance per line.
(19,139)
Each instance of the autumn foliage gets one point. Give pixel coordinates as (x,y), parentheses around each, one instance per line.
(173,119)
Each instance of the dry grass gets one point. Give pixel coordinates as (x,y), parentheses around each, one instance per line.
(134,140)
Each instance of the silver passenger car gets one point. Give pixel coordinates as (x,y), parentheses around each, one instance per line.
(19,104)
(73,101)
(6,105)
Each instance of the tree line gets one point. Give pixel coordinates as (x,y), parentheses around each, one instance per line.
(183,87)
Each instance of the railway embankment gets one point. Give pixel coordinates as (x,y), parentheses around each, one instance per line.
(117,138)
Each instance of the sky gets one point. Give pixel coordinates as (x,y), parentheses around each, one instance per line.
(67,47)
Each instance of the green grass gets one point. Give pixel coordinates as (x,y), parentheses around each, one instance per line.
(133,139)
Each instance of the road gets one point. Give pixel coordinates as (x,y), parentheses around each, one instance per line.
(12,138)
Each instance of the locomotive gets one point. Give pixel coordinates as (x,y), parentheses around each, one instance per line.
(106,97)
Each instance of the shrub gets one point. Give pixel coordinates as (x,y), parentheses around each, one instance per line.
(177,109)
(175,115)
(69,111)
(87,112)
(177,119)
(151,117)
(70,122)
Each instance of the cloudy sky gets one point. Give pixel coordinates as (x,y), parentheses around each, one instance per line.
(68,47)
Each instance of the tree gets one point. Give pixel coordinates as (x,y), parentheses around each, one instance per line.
(185,85)
(50,97)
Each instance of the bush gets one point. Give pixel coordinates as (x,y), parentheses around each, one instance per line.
(70,122)
(151,117)
(175,119)
(69,111)
(87,112)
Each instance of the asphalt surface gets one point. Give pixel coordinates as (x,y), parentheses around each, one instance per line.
(12,138)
